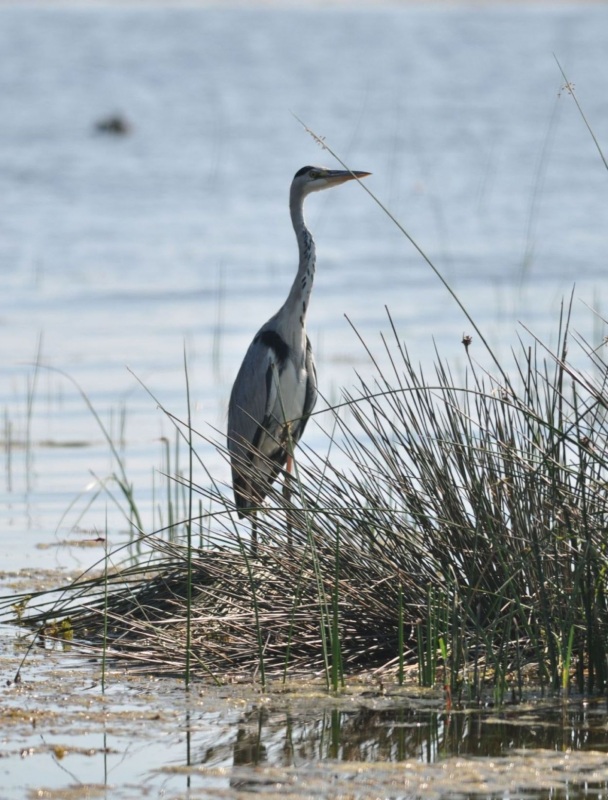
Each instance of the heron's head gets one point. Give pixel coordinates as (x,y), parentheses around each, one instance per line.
(313,179)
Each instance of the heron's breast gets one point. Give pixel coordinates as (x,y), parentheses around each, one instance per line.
(291,393)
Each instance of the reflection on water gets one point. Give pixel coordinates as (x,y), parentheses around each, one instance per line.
(400,732)
(531,748)
(295,740)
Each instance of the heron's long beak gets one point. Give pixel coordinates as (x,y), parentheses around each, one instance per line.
(337,176)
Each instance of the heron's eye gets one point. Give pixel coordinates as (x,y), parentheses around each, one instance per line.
(314,174)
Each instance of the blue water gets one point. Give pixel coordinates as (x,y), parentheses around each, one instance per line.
(119,253)
(124,251)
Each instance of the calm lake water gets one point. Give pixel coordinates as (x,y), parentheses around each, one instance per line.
(120,253)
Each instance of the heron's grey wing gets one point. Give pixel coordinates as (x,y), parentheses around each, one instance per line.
(255,454)
(251,397)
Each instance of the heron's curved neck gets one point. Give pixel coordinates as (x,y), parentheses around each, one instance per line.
(299,295)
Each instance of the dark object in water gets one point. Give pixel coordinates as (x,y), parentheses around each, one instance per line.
(114,124)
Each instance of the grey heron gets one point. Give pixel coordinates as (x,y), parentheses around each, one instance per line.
(276,387)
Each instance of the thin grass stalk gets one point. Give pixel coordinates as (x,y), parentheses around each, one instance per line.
(170,515)
(567,661)
(105,612)
(188,528)
(400,637)
(569,87)
(291,627)
(177,484)
(256,613)
(8,449)
(337,673)
(31,393)
(447,681)
(518,662)
(323,144)
(426,644)
(120,477)
(584,576)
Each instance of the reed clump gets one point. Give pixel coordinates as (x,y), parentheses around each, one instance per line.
(457,532)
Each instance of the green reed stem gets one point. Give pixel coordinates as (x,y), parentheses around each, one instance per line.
(400,637)
(337,674)
(189,527)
